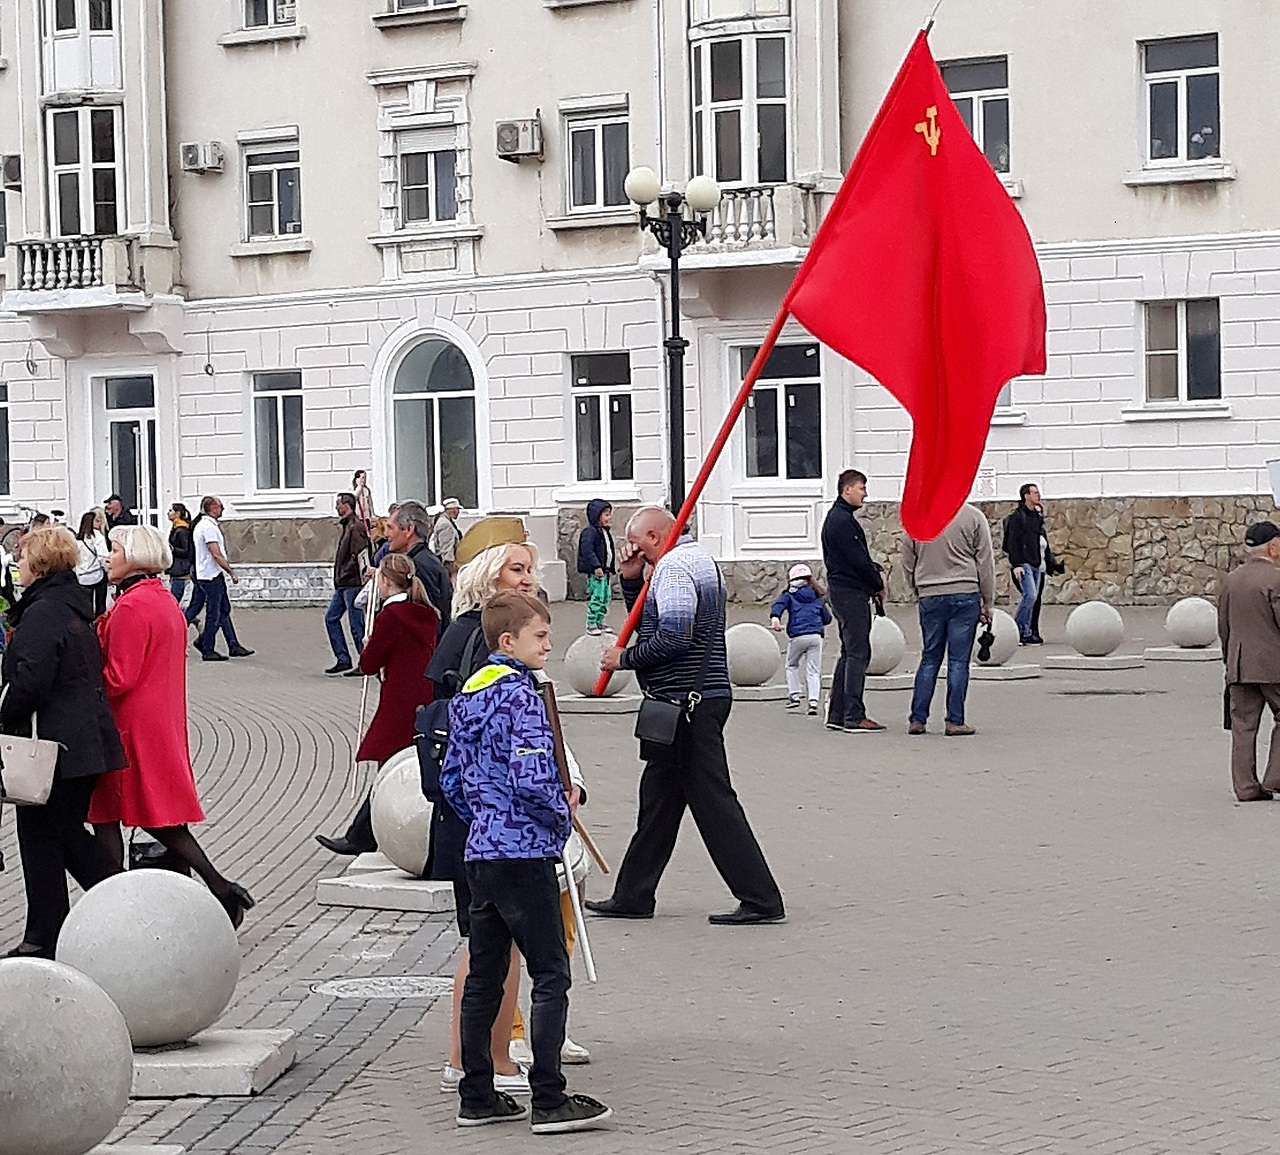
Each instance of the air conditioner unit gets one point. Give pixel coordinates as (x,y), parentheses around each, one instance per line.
(202,157)
(11,170)
(519,138)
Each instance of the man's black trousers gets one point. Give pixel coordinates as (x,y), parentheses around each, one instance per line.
(515,900)
(852,610)
(693,772)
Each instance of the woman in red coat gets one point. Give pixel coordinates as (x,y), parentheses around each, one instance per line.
(144,653)
(399,649)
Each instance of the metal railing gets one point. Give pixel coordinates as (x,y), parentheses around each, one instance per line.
(744,216)
(63,264)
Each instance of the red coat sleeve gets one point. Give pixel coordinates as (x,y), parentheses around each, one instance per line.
(378,648)
(125,636)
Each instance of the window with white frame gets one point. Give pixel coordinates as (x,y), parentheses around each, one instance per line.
(421,5)
(1183,116)
(85,177)
(72,15)
(269,13)
(783,429)
(980,92)
(4,438)
(434,413)
(602,431)
(740,109)
(599,156)
(428,163)
(277,429)
(273,190)
(1183,348)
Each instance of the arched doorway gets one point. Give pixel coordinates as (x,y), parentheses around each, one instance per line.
(434,418)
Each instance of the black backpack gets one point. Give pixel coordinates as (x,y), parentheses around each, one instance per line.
(431,722)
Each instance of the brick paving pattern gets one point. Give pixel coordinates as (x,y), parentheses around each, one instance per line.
(1056,936)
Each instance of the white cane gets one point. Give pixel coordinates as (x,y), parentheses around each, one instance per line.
(578,920)
(374,605)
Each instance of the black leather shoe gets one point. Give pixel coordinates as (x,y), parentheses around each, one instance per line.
(214,656)
(354,672)
(241,652)
(610,909)
(338,668)
(343,845)
(743,915)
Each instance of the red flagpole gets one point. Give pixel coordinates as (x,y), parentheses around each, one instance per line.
(704,474)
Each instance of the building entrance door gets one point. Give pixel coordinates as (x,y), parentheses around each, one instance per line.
(131,445)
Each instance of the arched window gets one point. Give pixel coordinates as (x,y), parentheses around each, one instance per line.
(435,425)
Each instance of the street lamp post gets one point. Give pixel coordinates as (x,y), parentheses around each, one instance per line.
(674,232)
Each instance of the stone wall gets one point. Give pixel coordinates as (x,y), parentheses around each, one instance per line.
(271,540)
(282,584)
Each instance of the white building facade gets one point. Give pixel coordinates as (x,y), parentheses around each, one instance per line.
(255,245)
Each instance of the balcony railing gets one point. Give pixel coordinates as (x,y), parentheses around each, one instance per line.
(743,217)
(65,264)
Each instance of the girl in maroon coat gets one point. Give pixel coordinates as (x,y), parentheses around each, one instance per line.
(399,649)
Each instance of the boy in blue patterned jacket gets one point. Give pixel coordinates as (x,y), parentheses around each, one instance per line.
(500,775)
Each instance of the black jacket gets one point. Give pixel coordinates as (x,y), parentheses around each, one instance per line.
(53,669)
(347,571)
(1023,529)
(435,578)
(445,670)
(184,551)
(845,553)
(127,517)
(595,544)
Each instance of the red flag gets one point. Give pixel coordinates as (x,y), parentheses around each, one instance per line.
(924,274)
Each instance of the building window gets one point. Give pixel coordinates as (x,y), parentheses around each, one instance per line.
(277,429)
(602,416)
(434,403)
(740,109)
(599,159)
(784,414)
(84,147)
(64,15)
(1183,351)
(1182,99)
(273,191)
(980,91)
(268,13)
(4,438)
(101,16)
(428,186)
(419,5)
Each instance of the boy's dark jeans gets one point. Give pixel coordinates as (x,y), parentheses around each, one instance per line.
(516,900)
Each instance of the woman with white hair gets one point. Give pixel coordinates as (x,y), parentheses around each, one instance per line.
(144,652)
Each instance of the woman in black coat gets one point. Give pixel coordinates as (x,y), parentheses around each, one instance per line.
(184,550)
(53,673)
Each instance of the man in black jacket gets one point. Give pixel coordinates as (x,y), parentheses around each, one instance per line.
(1023,531)
(347,580)
(853,580)
(407,532)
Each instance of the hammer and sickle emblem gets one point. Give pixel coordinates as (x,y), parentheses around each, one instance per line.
(929,129)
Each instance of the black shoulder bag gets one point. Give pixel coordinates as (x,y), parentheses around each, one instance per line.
(659,719)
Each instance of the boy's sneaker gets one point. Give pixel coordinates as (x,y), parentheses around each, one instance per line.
(576,1113)
(503,1109)
(520,1052)
(574,1053)
(594,631)
(813,709)
(517,1084)
(793,703)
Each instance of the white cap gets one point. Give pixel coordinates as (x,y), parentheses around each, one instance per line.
(451,503)
(799,571)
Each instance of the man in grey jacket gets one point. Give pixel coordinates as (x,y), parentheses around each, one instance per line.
(954,577)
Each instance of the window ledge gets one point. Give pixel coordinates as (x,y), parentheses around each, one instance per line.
(280,34)
(586,490)
(600,220)
(1181,173)
(264,247)
(773,488)
(434,233)
(576,3)
(444,14)
(1014,188)
(267,501)
(1009,417)
(1183,411)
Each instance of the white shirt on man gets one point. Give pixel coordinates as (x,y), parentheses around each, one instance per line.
(207,532)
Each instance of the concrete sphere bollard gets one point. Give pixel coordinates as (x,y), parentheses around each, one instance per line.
(66,1063)
(161,946)
(888,646)
(582,666)
(1095,629)
(1006,643)
(402,813)
(1192,623)
(753,654)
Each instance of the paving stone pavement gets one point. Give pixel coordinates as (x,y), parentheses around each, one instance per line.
(1054,936)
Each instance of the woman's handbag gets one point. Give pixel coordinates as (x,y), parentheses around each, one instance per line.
(26,766)
(658,719)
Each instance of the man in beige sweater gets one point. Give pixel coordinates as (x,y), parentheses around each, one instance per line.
(954,577)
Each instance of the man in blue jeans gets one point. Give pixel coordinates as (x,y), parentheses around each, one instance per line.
(348,571)
(1024,543)
(212,571)
(954,577)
